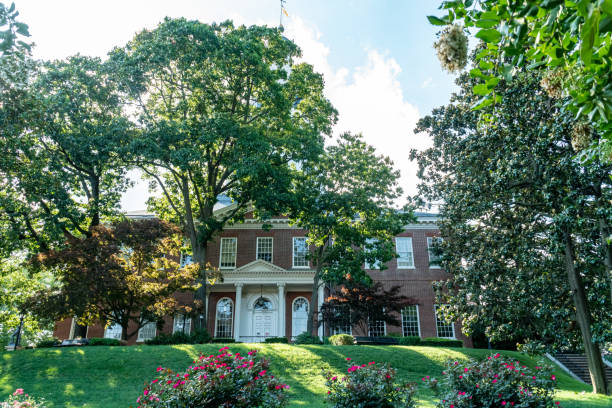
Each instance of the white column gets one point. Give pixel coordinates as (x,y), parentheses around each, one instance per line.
(320,302)
(237,308)
(281,309)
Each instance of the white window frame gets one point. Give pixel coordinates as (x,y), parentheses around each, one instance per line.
(305,255)
(452,324)
(228,239)
(231,324)
(186,259)
(141,337)
(113,328)
(418,319)
(377,264)
(179,318)
(384,328)
(350,326)
(271,248)
(430,241)
(411,252)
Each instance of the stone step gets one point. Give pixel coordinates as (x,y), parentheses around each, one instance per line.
(578,364)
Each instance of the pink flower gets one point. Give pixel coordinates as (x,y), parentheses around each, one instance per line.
(159,368)
(552,377)
(494,381)
(18,391)
(348,359)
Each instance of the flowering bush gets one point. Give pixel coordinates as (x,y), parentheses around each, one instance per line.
(223,380)
(342,340)
(368,385)
(21,400)
(494,382)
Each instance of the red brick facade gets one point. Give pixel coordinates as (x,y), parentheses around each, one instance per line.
(415,282)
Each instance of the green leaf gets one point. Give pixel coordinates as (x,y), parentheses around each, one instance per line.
(489,35)
(606,7)
(483,23)
(587,37)
(482,103)
(436,21)
(506,71)
(481,89)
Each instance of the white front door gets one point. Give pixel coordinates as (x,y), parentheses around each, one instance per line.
(264,324)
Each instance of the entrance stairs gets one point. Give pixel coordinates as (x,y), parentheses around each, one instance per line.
(578,364)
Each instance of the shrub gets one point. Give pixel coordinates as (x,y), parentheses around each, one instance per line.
(48,343)
(440,342)
(493,382)
(532,347)
(342,340)
(97,341)
(393,335)
(306,338)
(277,340)
(197,337)
(224,380)
(19,399)
(368,385)
(410,341)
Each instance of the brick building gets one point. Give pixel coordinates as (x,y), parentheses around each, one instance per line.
(267,286)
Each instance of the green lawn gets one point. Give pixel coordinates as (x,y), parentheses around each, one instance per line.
(107,377)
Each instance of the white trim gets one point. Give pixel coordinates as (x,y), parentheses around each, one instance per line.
(187,321)
(451,324)
(418,320)
(293,316)
(221,252)
(139,338)
(293,265)
(231,314)
(432,266)
(109,330)
(271,249)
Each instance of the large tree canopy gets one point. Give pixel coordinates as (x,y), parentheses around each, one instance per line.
(344,199)
(223,110)
(572,39)
(525,225)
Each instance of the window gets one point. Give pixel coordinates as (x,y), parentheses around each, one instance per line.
(376,264)
(264,248)
(182,323)
(403,247)
(446,330)
(262,303)
(223,325)
(147,331)
(434,260)
(377,328)
(410,321)
(300,250)
(344,319)
(228,253)
(113,331)
(186,260)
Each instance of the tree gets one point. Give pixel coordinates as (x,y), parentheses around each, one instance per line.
(223,111)
(18,283)
(344,200)
(521,219)
(359,305)
(570,38)
(60,168)
(126,273)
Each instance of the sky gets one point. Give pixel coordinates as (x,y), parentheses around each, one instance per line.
(377,57)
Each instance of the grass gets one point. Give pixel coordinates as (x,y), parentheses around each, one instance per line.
(108,377)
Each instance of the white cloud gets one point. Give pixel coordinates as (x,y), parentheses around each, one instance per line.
(427,83)
(369,99)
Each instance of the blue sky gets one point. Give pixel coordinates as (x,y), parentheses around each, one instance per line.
(376,56)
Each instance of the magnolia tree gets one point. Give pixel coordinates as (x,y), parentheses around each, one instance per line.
(127,273)
(222,110)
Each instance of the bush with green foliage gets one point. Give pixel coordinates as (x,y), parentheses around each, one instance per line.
(306,338)
(277,340)
(368,385)
(199,336)
(440,342)
(222,340)
(19,399)
(393,335)
(410,341)
(99,341)
(493,382)
(223,380)
(342,340)
(48,343)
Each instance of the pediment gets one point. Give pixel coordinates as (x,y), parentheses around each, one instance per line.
(259,266)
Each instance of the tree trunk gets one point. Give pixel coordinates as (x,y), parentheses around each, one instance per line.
(314,300)
(199,256)
(604,231)
(583,318)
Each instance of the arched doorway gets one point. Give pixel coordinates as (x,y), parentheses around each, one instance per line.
(299,316)
(264,319)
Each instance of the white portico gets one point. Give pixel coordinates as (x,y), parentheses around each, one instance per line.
(270,301)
